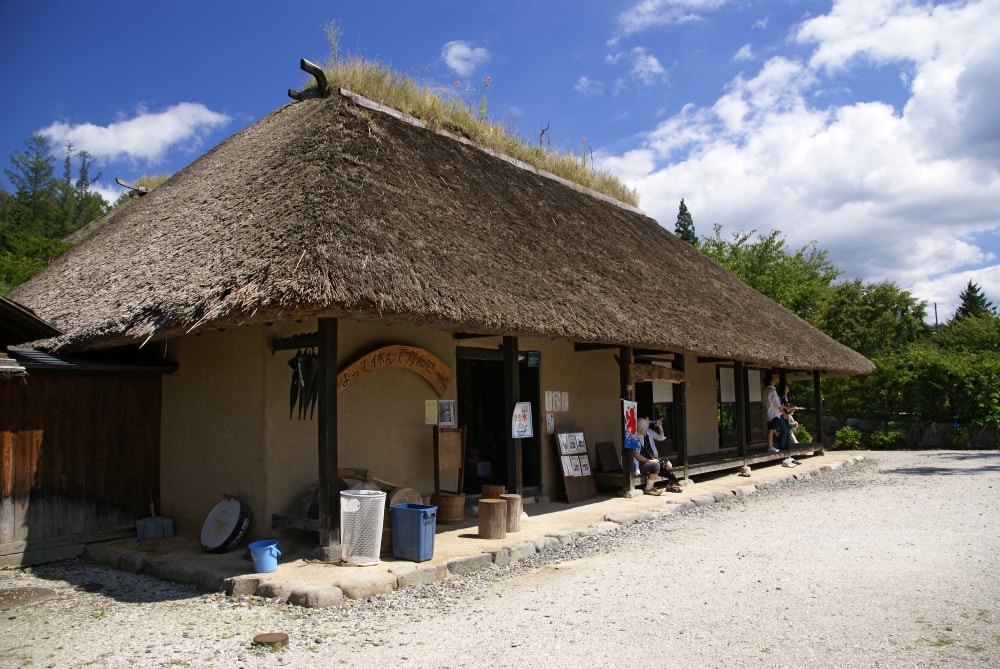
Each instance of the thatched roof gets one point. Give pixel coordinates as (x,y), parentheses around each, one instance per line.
(330,208)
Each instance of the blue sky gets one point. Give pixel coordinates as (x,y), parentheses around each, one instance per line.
(868,126)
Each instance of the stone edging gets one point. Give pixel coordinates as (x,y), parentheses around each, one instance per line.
(362,586)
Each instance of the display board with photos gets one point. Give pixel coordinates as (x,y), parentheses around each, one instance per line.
(578,478)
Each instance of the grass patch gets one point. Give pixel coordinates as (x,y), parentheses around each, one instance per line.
(442,110)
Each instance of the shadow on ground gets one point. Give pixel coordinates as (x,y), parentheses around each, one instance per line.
(967,464)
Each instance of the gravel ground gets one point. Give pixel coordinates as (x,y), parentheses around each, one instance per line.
(889,563)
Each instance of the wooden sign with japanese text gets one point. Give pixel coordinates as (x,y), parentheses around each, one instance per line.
(417,360)
(640,373)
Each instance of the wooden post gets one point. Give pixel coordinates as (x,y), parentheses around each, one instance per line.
(491,491)
(512,394)
(492,518)
(329,496)
(740,407)
(624,381)
(818,402)
(680,413)
(513,512)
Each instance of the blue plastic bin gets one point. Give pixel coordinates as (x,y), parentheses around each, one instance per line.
(413,527)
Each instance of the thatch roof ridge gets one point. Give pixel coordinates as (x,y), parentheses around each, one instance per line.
(413,120)
(324,208)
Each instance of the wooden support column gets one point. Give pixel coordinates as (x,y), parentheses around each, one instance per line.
(680,411)
(818,403)
(512,394)
(329,494)
(624,381)
(741,407)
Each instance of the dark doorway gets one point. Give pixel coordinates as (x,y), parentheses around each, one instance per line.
(481,411)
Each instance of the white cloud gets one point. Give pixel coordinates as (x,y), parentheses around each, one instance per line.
(645,66)
(463,58)
(651,13)
(908,195)
(745,52)
(147,136)
(586,86)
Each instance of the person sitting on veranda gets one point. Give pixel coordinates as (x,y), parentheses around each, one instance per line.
(648,458)
(788,421)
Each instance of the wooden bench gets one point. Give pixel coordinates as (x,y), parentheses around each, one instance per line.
(609,476)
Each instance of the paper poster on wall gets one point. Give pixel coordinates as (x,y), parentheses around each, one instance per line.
(550,424)
(567,467)
(628,414)
(556,400)
(548,400)
(575,461)
(520,424)
(585,465)
(430,412)
(565,401)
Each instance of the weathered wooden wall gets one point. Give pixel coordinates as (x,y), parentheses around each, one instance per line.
(79,458)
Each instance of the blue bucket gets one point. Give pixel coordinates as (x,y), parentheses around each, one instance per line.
(265,555)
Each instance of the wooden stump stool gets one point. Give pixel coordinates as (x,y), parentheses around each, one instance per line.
(491,491)
(492,518)
(513,511)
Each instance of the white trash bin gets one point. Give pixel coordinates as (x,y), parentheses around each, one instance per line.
(361,515)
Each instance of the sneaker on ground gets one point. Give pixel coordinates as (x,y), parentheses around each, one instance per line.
(772,449)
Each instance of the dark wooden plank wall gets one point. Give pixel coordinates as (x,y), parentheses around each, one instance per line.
(80,454)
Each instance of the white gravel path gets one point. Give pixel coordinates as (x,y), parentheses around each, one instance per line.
(889,563)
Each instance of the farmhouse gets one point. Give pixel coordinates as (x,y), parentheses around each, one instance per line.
(324,281)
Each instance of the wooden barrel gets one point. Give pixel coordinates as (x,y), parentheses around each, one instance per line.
(451,507)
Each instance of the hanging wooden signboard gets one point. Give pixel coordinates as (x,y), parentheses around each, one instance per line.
(640,373)
(417,360)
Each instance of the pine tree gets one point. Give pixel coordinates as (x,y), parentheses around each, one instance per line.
(974,302)
(685,225)
(34,187)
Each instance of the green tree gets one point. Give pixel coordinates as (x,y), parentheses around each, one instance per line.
(23,256)
(799,280)
(974,302)
(970,334)
(30,174)
(684,228)
(874,319)
(42,210)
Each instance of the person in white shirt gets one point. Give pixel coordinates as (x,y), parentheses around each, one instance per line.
(773,412)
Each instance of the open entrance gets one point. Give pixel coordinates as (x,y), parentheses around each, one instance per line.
(481,409)
(655,400)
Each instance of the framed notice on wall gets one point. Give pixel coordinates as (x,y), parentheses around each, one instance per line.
(578,479)
(446,414)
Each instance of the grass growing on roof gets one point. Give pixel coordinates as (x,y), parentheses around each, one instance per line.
(384,85)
